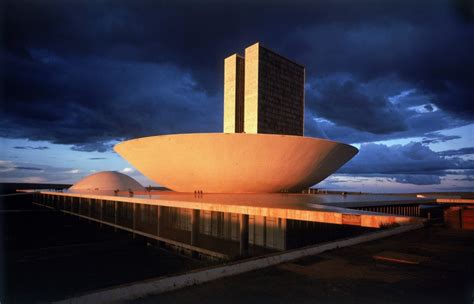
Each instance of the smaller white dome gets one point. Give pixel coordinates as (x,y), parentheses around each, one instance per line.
(107,181)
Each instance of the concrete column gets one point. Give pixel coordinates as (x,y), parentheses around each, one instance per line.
(244,234)
(101,206)
(134,221)
(158,220)
(159,213)
(79,206)
(264,232)
(115,214)
(195,214)
(284,227)
(234,94)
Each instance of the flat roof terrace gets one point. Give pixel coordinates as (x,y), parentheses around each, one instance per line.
(323,208)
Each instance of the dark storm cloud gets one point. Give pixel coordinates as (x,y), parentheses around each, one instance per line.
(36,173)
(412,158)
(30,148)
(7,168)
(346,105)
(406,113)
(28,168)
(104,100)
(459,152)
(433,138)
(413,163)
(418,179)
(87,73)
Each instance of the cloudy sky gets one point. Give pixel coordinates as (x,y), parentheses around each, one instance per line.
(394,78)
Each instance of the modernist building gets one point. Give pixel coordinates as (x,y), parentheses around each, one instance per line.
(234,73)
(263,93)
(262,148)
(106,181)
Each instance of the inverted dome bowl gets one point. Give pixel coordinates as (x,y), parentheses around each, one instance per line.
(235,162)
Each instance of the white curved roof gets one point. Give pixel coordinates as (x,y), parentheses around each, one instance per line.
(235,162)
(107,181)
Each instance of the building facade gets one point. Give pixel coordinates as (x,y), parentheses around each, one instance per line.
(273,93)
(234,94)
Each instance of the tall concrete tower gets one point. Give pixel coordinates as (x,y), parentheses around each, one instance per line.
(234,94)
(270,89)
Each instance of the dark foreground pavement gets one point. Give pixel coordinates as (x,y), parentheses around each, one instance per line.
(47,256)
(352,275)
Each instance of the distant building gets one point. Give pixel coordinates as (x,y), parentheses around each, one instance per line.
(263,93)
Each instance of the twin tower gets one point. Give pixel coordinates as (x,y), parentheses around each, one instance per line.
(263,93)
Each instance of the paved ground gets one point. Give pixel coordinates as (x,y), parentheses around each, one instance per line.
(352,275)
(47,256)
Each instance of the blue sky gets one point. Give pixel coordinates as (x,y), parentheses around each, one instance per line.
(393,78)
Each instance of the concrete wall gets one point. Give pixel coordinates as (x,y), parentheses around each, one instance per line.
(251,89)
(234,94)
(274,93)
(235,163)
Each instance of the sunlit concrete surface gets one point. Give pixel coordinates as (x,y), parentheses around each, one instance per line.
(286,206)
(287,200)
(459,201)
(235,163)
(234,94)
(106,182)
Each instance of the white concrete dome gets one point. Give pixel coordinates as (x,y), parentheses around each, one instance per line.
(107,181)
